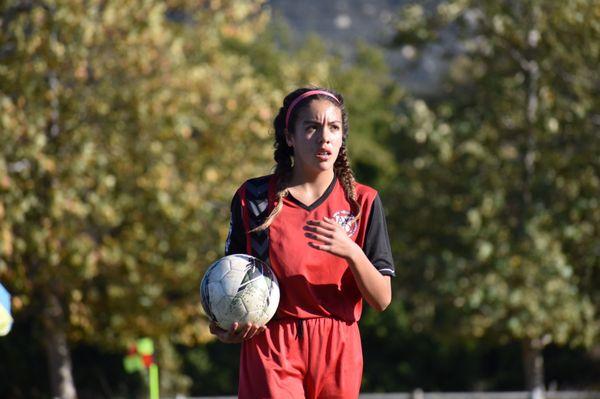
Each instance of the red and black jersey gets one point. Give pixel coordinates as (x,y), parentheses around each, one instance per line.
(313,283)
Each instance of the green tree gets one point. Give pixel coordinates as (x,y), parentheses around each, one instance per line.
(498,175)
(122,127)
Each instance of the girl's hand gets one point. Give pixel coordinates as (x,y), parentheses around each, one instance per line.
(237,332)
(331,237)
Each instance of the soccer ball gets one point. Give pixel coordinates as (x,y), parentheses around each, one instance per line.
(239,288)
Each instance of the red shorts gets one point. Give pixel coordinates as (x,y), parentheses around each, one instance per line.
(302,358)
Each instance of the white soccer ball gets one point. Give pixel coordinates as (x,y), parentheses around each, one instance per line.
(239,288)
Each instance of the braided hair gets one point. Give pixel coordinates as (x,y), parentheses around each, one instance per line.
(284,153)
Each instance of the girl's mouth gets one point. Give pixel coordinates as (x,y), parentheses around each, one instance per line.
(323,155)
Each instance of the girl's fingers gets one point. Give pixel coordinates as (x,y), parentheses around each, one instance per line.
(321,231)
(233,328)
(261,330)
(247,331)
(329,233)
(253,332)
(334,225)
(214,328)
(232,334)
(327,224)
(222,335)
(312,236)
(321,247)
(331,222)
(237,332)
(318,223)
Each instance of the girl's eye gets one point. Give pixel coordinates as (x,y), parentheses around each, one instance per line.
(335,127)
(310,129)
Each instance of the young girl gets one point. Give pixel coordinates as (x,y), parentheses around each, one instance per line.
(325,237)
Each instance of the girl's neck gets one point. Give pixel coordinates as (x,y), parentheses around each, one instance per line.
(317,182)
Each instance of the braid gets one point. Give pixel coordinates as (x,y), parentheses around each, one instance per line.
(283,165)
(282,192)
(346,177)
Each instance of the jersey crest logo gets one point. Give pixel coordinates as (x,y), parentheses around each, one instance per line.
(347,221)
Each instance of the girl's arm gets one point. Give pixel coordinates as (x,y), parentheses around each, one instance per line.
(374,286)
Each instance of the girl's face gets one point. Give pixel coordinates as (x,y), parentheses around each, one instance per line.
(316,136)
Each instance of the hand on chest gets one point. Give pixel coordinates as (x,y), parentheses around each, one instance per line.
(290,246)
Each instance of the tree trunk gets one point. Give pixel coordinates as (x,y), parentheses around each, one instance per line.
(57,350)
(55,325)
(533,362)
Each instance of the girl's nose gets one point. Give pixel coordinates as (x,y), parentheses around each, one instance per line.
(325,135)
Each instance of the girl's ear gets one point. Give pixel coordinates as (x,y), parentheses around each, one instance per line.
(289,138)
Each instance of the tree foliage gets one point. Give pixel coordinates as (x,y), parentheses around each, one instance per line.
(498,223)
(123,126)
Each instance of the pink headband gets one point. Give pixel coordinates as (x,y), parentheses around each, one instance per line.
(302,97)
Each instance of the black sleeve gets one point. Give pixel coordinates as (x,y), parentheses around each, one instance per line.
(377,242)
(236,239)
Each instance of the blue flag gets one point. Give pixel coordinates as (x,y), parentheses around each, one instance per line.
(6,319)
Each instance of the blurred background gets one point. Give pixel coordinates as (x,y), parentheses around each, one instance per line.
(126,126)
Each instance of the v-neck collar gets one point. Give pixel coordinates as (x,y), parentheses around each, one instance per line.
(319,200)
